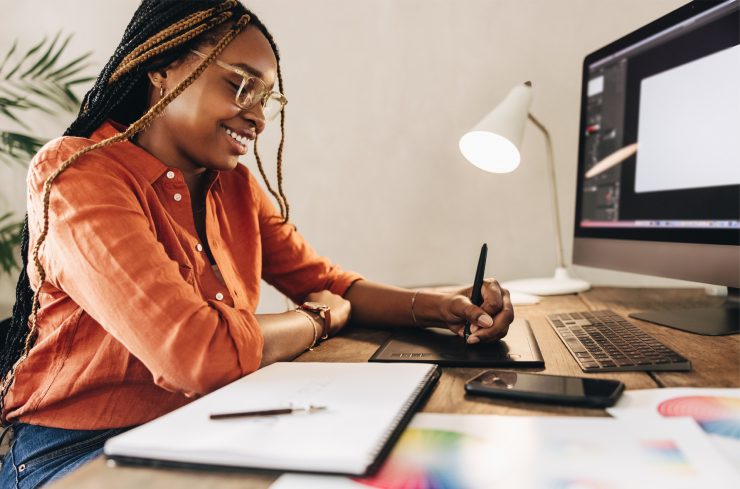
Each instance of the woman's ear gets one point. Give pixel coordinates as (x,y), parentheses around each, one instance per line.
(158,79)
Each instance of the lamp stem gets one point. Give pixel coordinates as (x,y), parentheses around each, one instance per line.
(553,189)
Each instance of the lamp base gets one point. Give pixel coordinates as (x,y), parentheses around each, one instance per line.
(559,284)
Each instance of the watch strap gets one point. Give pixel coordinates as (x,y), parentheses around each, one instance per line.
(323,311)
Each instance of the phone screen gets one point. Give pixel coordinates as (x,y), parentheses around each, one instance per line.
(547,385)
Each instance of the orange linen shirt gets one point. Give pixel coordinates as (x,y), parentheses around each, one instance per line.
(133,320)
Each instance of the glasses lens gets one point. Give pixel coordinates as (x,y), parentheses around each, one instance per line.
(250,93)
(273,106)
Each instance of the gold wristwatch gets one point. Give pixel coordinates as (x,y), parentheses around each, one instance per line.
(323,311)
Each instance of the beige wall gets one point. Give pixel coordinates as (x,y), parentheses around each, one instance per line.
(380,92)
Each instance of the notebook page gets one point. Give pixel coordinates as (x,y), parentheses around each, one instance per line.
(362,400)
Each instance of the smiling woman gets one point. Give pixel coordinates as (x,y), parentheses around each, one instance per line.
(146,240)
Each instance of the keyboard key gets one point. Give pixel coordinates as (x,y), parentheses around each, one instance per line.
(576,347)
(623,360)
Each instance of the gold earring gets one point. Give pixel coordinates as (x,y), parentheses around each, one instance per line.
(161,91)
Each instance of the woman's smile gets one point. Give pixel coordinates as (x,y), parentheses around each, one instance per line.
(237,141)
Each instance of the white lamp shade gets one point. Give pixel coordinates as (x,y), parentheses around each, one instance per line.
(493,144)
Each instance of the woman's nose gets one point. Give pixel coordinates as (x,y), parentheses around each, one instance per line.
(256,115)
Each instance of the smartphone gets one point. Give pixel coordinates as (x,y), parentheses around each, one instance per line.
(555,389)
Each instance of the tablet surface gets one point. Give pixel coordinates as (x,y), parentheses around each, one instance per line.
(441,346)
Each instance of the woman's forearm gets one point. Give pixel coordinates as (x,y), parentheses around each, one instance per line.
(286,335)
(375,304)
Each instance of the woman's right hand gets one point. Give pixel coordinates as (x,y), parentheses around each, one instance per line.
(341,309)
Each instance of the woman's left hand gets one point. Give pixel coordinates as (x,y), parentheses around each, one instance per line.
(489,322)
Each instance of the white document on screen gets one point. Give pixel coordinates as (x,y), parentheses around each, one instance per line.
(689,125)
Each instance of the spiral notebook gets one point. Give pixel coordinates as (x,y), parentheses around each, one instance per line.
(367,407)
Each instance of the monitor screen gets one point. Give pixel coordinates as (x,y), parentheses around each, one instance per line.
(658,187)
(660,133)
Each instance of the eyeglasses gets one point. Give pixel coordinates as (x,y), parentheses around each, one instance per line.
(252,91)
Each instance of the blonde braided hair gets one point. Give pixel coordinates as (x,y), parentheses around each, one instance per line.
(159,49)
(175,28)
(281,199)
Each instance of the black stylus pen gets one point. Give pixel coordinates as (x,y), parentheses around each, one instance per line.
(476,297)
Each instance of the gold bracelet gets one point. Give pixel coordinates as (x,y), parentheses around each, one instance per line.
(313,327)
(413,300)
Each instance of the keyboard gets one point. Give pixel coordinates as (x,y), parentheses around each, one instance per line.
(603,341)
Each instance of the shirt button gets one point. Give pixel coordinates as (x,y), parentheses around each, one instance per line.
(199,247)
(21,467)
(178,197)
(170,174)
(219,296)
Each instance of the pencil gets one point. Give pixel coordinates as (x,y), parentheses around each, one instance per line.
(267,412)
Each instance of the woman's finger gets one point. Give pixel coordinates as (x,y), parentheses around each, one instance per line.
(466,311)
(458,329)
(493,296)
(500,326)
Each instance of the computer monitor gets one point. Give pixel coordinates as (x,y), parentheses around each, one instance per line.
(658,187)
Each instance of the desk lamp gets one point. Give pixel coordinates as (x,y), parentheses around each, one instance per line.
(493,146)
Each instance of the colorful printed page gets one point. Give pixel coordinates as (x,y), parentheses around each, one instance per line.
(716,411)
(445,451)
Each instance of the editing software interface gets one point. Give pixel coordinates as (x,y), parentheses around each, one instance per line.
(661,129)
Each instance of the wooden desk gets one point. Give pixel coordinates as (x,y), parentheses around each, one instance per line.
(716,363)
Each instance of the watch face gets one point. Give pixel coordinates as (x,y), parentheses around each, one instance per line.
(314,306)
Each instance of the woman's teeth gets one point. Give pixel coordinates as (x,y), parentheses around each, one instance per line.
(239,139)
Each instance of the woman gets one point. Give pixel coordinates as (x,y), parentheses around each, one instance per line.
(150,240)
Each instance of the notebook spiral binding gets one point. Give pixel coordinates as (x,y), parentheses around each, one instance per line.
(415,400)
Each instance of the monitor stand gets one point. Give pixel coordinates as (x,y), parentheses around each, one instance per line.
(709,321)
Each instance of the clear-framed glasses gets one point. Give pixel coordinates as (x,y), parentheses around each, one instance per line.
(252,91)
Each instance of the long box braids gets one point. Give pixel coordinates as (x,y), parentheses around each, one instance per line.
(159,32)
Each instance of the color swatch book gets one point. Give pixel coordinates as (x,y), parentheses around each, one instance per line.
(716,411)
(446,451)
(367,405)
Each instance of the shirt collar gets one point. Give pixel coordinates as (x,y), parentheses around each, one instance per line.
(140,160)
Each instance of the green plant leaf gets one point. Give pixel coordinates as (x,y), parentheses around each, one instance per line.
(43,58)
(8,55)
(5,111)
(54,58)
(19,147)
(79,81)
(24,58)
(71,67)
(31,89)
(10,238)
(36,81)
(46,83)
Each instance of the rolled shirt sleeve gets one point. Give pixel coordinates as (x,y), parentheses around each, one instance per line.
(289,263)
